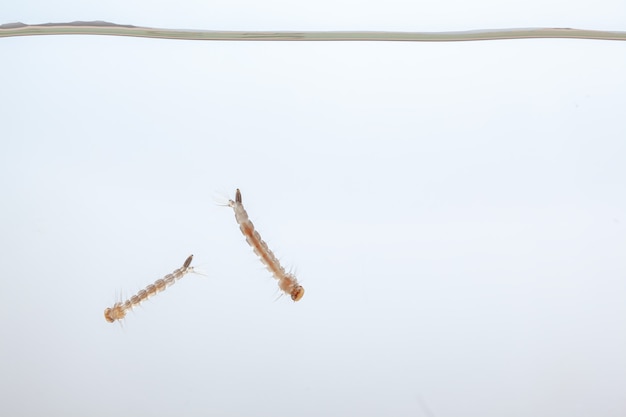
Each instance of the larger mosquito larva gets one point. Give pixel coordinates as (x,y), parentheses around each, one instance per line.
(119,309)
(286,281)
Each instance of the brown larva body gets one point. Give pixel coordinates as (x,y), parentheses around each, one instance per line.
(286,282)
(119,309)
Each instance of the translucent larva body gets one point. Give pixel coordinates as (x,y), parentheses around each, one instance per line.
(286,282)
(119,310)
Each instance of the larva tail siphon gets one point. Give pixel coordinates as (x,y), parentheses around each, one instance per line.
(119,309)
(286,281)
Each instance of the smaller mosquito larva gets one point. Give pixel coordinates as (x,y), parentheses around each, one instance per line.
(119,309)
(286,282)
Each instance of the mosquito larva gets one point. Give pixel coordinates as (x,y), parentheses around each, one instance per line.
(286,281)
(119,309)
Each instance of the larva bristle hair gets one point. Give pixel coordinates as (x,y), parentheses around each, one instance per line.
(286,282)
(221,198)
(119,309)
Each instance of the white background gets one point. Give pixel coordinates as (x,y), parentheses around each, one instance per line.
(456,213)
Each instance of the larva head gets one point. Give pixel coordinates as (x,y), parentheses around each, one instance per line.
(114,313)
(108,316)
(297,293)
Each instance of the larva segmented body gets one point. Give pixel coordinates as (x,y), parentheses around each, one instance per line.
(119,309)
(286,282)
